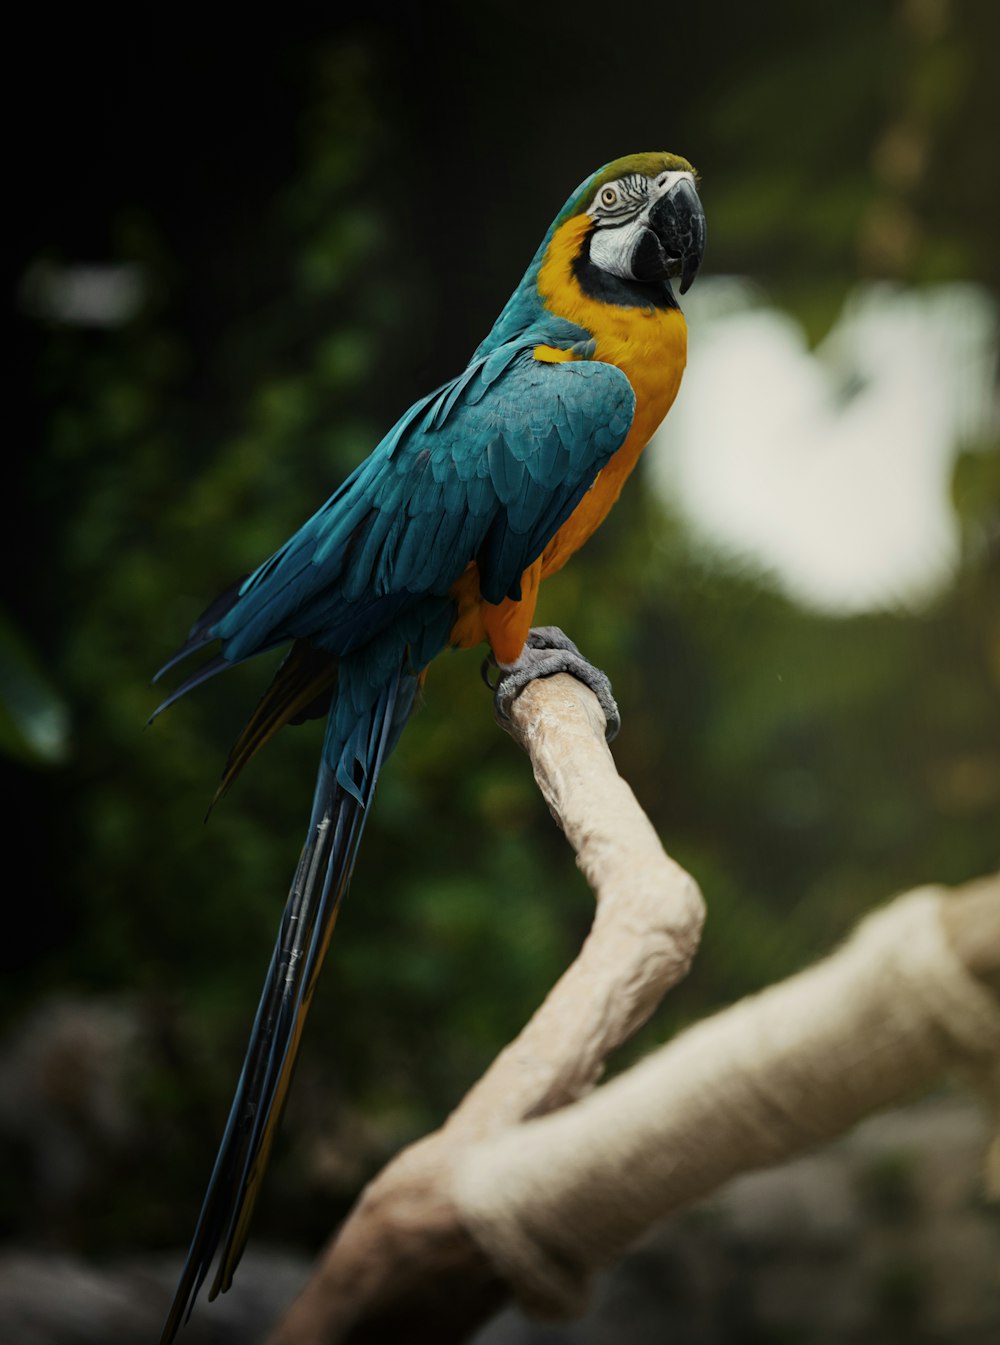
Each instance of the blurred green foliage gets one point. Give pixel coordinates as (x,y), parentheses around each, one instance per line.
(33,719)
(802,767)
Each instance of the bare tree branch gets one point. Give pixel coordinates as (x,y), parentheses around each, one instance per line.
(555,1199)
(403,1237)
(527,1189)
(645,933)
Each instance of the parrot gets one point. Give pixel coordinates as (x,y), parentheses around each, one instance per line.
(440,539)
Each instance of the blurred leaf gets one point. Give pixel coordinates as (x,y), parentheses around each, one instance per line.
(34,719)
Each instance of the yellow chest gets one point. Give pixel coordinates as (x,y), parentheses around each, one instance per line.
(649,346)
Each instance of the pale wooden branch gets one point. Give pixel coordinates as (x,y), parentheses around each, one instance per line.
(646,928)
(403,1235)
(909,997)
(536,1181)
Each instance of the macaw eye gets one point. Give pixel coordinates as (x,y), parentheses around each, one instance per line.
(609,196)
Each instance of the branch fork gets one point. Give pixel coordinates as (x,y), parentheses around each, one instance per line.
(537,1180)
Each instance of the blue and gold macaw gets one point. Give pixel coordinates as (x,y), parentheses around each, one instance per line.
(441,538)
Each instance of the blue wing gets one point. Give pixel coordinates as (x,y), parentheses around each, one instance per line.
(485,469)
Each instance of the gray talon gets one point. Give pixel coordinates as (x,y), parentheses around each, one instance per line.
(488,666)
(548,651)
(550,637)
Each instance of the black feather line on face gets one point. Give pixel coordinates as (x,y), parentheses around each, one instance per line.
(633,192)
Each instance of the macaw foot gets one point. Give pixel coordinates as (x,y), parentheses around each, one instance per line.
(548,651)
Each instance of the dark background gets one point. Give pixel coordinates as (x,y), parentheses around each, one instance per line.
(323,217)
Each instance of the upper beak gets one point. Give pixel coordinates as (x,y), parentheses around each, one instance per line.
(679,221)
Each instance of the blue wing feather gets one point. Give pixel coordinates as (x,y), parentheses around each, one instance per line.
(488,468)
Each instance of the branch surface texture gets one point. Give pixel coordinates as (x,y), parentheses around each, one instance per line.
(537,1181)
(404,1266)
(646,929)
(897,1006)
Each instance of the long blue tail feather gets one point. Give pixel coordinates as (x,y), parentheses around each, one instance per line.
(321,879)
(203,674)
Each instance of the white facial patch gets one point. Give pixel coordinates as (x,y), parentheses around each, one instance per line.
(668,181)
(611,248)
(633,196)
(619,223)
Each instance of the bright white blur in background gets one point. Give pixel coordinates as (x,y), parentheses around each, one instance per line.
(830,469)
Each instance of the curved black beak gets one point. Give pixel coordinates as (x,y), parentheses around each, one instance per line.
(679,222)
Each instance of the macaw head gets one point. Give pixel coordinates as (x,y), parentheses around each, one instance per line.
(646,222)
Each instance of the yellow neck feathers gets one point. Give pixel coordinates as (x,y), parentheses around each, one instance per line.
(624,336)
(649,346)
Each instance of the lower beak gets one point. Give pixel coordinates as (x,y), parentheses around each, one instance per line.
(679,222)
